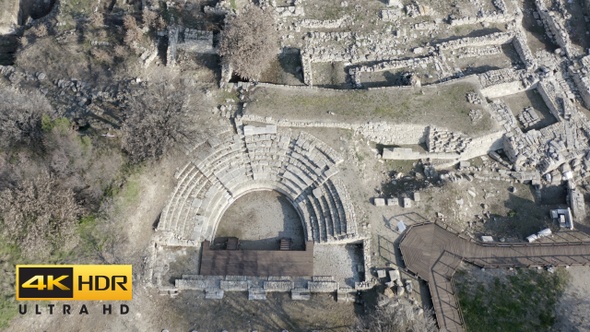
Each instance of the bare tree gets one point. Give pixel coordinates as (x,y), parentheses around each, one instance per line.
(249,42)
(149,17)
(157,122)
(39,216)
(152,19)
(20,118)
(97,20)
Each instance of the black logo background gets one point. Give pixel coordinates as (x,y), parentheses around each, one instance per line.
(26,273)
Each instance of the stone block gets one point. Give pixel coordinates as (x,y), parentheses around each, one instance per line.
(379,201)
(256,293)
(214,294)
(234,285)
(250,130)
(278,286)
(394,275)
(362,285)
(322,278)
(407,203)
(300,294)
(388,292)
(464,164)
(345,295)
(392,202)
(317,193)
(322,286)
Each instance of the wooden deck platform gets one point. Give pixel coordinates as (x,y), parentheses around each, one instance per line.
(434,254)
(257,263)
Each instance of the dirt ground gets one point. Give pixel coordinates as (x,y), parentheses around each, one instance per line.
(260,219)
(190,311)
(444,106)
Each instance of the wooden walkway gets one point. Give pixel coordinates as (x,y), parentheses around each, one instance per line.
(434,254)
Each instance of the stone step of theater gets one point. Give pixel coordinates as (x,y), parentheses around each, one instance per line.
(225,167)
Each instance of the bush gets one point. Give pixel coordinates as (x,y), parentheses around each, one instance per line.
(40,216)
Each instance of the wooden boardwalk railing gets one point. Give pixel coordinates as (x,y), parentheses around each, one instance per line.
(434,253)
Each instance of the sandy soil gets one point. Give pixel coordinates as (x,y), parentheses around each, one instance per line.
(260,219)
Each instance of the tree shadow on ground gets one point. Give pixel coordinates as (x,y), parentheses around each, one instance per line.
(290,61)
(524,217)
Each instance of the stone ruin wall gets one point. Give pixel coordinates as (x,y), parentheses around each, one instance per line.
(381,132)
(314,54)
(503,82)
(583,84)
(300,288)
(403,134)
(555,28)
(491,39)
(355,71)
(549,95)
(581,78)
(500,16)
(493,18)
(323,24)
(520,45)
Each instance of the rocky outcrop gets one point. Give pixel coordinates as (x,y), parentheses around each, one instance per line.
(9,16)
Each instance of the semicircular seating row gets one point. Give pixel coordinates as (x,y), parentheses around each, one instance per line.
(226,167)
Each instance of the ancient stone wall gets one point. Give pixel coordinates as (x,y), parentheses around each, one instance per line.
(581,77)
(520,45)
(496,38)
(549,93)
(555,26)
(323,24)
(492,18)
